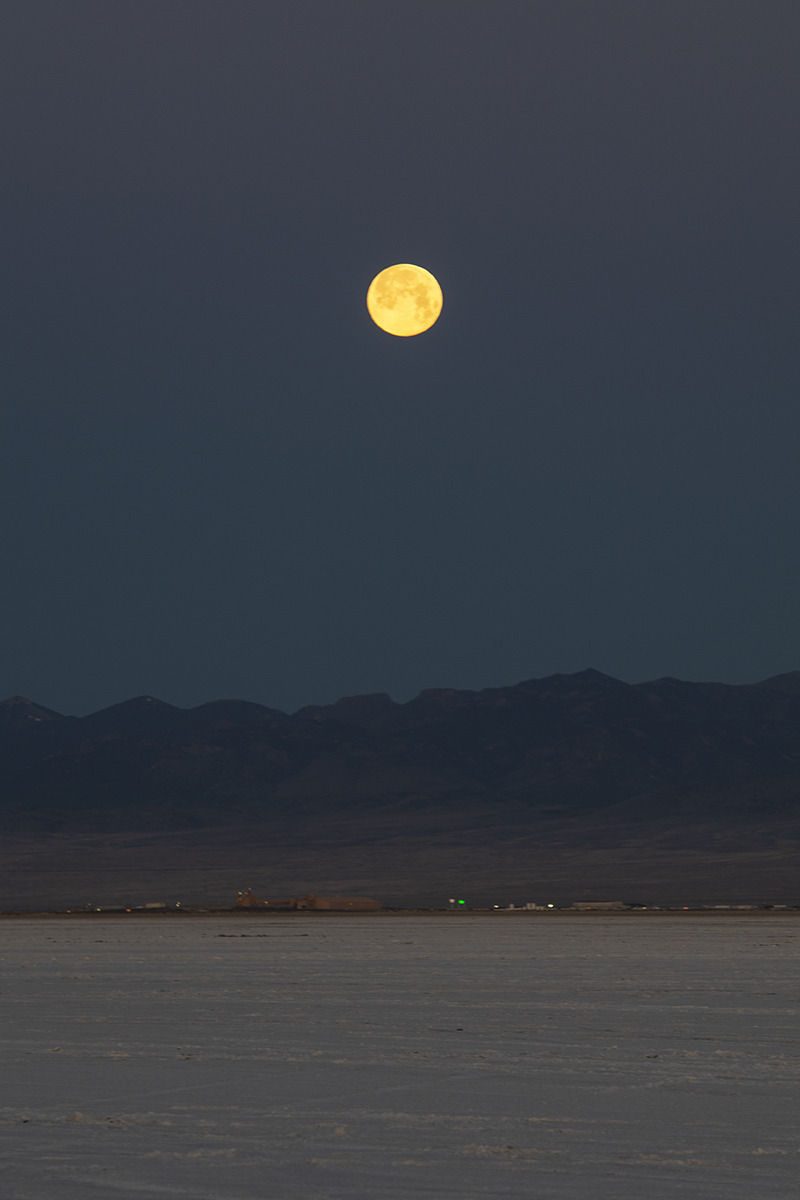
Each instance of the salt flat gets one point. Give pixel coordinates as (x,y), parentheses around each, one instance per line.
(380,1058)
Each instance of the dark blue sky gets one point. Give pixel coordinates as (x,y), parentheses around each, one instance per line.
(219,478)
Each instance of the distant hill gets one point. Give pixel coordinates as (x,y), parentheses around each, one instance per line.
(565,745)
(584,755)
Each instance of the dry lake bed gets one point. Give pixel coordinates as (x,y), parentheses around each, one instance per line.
(450,1057)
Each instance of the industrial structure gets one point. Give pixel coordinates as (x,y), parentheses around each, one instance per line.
(249,899)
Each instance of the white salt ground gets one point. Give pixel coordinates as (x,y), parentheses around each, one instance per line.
(447,1058)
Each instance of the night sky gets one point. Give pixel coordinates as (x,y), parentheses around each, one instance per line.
(220,478)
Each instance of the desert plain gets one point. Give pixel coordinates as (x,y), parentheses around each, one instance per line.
(444,1056)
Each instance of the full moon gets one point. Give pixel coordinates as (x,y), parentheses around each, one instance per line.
(404,300)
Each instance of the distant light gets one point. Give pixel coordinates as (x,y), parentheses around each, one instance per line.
(462,902)
(551,906)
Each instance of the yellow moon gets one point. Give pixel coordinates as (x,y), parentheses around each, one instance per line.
(404,300)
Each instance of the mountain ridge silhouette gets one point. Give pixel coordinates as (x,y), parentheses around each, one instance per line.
(566,746)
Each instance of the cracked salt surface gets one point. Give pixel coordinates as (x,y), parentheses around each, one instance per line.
(447,1058)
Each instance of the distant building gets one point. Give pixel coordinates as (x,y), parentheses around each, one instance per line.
(340,903)
(248,899)
(584,904)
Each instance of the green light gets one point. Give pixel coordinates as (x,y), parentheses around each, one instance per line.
(462,902)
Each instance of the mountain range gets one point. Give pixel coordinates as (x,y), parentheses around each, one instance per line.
(487,789)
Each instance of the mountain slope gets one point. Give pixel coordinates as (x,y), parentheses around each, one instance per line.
(565,746)
(560,788)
